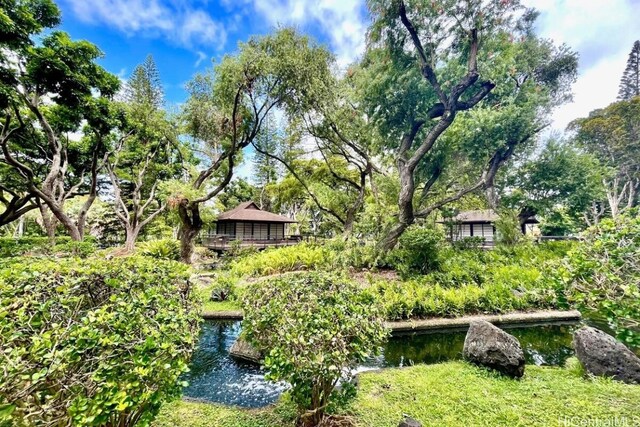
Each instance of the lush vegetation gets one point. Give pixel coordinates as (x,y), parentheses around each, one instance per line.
(450,394)
(602,276)
(313,328)
(442,113)
(93,342)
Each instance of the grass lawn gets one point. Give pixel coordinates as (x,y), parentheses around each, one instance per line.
(450,394)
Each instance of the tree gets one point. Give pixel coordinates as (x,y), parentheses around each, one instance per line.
(49,91)
(424,87)
(630,81)
(558,177)
(227,109)
(314,329)
(147,153)
(329,125)
(612,134)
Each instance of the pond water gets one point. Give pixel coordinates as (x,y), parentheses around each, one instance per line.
(216,377)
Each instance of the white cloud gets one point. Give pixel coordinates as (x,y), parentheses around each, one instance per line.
(201,57)
(602,31)
(342,21)
(178,22)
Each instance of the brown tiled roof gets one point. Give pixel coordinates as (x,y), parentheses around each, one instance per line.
(249,211)
(482,215)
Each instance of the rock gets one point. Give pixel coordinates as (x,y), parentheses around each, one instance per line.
(489,346)
(602,355)
(409,422)
(242,350)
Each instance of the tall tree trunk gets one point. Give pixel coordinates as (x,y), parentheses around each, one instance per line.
(405,206)
(190,226)
(48,222)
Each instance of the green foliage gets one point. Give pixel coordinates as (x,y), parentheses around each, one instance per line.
(313,328)
(168,249)
(419,251)
(602,275)
(468,243)
(280,260)
(41,246)
(474,282)
(508,228)
(94,342)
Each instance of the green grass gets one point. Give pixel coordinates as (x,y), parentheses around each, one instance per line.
(449,394)
(229,305)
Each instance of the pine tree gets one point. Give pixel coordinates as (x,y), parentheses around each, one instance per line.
(144,86)
(630,82)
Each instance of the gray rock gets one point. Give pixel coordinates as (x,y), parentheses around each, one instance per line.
(409,422)
(602,355)
(489,346)
(242,350)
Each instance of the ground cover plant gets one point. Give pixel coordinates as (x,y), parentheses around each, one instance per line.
(93,342)
(448,394)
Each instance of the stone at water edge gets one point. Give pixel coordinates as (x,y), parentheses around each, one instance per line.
(241,349)
(602,355)
(409,422)
(489,346)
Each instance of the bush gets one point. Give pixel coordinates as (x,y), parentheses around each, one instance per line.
(419,251)
(93,342)
(281,260)
(508,228)
(468,243)
(602,275)
(313,329)
(168,249)
(41,246)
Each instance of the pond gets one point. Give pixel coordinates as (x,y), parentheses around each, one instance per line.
(216,377)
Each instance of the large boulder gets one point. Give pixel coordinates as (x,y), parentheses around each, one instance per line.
(602,355)
(242,350)
(489,346)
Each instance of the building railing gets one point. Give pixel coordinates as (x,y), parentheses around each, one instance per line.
(226,241)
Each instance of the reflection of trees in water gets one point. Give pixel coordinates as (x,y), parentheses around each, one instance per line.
(550,345)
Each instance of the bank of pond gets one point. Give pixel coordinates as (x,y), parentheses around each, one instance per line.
(217,377)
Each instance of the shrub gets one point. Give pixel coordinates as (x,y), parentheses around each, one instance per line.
(168,249)
(41,246)
(281,260)
(508,228)
(419,251)
(93,343)
(313,329)
(602,275)
(468,243)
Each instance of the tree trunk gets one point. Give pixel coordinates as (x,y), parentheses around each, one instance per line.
(132,236)
(48,222)
(190,226)
(405,206)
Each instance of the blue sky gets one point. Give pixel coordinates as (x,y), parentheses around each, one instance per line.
(183,36)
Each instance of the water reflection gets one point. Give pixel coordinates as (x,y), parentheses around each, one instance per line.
(216,377)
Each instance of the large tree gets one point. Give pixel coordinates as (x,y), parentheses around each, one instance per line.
(452,84)
(558,178)
(146,152)
(52,88)
(612,134)
(630,81)
(227,109)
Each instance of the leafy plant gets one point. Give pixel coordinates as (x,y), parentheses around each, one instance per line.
(419,251)
(313,329)
(508,228)
(168,249)
(602,275)
(94,342)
